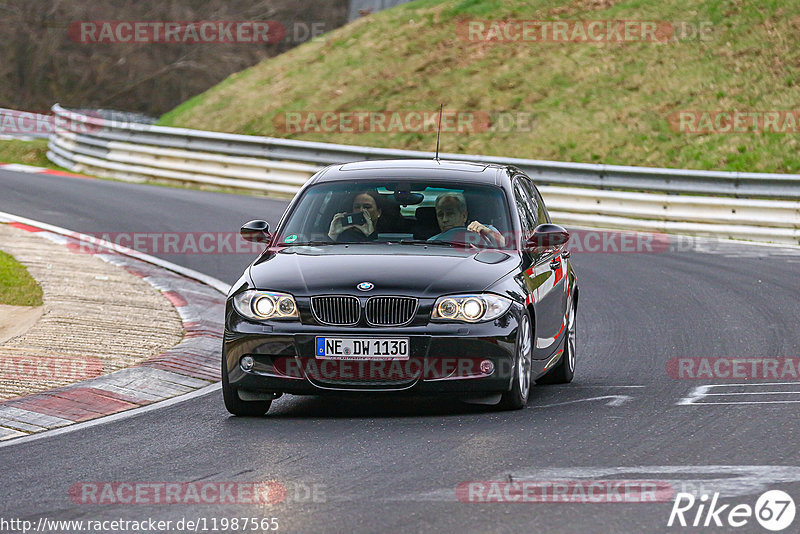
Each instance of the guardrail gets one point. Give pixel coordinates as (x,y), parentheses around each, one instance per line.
(736,205)
(24,125)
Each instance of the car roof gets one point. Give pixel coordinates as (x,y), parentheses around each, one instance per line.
(425,169)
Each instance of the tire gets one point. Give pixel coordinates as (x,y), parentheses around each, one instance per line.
(564,372)
(517,397)
(237,406)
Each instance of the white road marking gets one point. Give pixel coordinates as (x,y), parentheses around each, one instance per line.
(115,417)
(728,480)
(755,393)
(698,394)
(616,400)
(570,386)
(14,167)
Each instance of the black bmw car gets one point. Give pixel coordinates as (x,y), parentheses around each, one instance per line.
(416,276)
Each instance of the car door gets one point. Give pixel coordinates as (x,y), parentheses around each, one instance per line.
(545,276)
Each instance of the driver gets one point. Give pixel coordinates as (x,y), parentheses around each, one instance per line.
(451,213)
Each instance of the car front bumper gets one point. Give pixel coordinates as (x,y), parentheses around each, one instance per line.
(444,358)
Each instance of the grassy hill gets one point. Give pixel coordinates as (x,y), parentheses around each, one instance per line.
(604,102)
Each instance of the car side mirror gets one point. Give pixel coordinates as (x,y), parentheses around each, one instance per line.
(256,231)
(547,235)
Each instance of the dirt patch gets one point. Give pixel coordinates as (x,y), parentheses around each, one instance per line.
(583,5)
(16,320)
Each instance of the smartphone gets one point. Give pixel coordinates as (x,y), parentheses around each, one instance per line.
(357,218)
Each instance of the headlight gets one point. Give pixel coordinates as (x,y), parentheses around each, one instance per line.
(470,308)
(261,305)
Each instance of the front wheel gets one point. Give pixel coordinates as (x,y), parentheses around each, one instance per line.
(564,372)
(237,406)
(517,397)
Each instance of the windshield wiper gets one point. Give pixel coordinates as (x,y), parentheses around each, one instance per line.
(310,243)
(449,244)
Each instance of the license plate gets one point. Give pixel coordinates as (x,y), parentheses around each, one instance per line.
(348,348)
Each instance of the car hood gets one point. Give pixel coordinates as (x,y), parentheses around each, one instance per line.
(393,269)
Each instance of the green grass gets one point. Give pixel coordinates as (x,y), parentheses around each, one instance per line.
(17,287)
(26,152)
(606,102)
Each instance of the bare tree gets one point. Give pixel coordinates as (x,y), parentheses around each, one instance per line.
(41,65)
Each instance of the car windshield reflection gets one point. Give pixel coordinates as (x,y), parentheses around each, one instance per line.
(401,212)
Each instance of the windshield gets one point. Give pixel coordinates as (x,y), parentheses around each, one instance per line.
(409,211)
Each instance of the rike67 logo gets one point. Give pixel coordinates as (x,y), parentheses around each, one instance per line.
(774,510)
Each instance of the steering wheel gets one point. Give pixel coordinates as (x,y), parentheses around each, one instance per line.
(487,240)
(462,235)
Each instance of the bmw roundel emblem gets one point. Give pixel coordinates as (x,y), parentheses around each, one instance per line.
(365,286)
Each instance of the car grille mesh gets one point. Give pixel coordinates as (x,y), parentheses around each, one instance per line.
(338,311)
(390,311)
(360,381)
(380,311)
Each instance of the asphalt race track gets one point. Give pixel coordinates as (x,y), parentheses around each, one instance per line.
(377,464)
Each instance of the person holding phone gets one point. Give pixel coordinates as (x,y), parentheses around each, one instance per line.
(366,208)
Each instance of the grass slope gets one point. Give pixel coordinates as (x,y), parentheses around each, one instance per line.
(26,152)
(17,287)
(606,102)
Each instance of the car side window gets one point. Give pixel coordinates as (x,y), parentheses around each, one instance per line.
(541,211)
(526,215)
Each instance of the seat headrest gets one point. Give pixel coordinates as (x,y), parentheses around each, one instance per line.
(427,225)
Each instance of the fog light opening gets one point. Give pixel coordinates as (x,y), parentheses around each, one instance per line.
(247,363)
(487,367)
